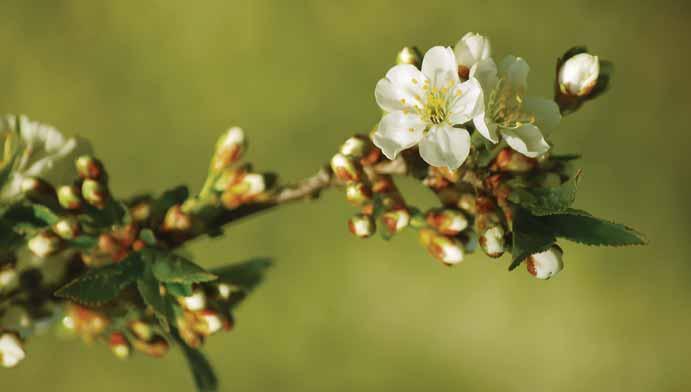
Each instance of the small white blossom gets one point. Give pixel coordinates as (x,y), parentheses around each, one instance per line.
(42,151)
(470,50)
(11,350)
(518,119)
(425,106)
(578,75)
(545,265)
(195,302)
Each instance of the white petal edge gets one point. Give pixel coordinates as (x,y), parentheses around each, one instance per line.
(469,104)
(402,82)
(546,112)
(398,131)
(515,70)
(445,146)
(439,65)
(526,139)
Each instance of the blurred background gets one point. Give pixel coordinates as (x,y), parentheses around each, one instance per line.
(153,84)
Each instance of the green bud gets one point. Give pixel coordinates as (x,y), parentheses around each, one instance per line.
(95,193)
(90,167)
(69,197)
(67,228)
(409,55)
(346,169)
(358,193)
(44,244)
(361,225)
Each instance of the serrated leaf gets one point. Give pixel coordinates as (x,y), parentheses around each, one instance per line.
(171,268)
(204,377)
(102,284)
(580,226)
(160,303)
(530,235)
(246,275)
(546,201)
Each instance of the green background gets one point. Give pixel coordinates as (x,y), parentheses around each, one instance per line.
(153,83)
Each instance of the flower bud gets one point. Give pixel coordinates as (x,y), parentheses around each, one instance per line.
(346,169)
(358,193)
(36,188)
(409,55)
(361,225)
(492,241)
(44,244)
(578,75)
(67,228)
(447,221)
(157,347)
(512,161)
(119,345)
(94,193)
(69,197)
(394,221)
(228,178)
(229,149)
(11,350)
(141,330)
(447,250)
(208,322)
(470,50)
(466,202)
(545,265)
(361,147)
(89,168)
(195,302)
(8,275)
(177,220)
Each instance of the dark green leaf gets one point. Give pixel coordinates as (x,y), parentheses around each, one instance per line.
(160,303)
(581,227)
(179,289)
(100,285)
(168,199)
(546,201)
(148,237)
(176,269)
(530,235)
(32,214)
(246,275)
(83,242)
(204,377)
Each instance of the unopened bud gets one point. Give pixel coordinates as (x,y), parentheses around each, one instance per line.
(578,75)
(466,202)
(8,276)
(492,241)
(36,188)
(44,244)
(157,347)
(208,322)
(361,147)
(545,265)
(409,55)
(447,250)
(67,228)
(447,221)
(346,169)
(177,220)
(195,302)
(94,193)
(141,211)
(119,345)
(69,197)
(11,350)
(361,225)
(229,149)
(394,221)
(228,178)
(141,330)
(358,193)
(89,168)
(512,161)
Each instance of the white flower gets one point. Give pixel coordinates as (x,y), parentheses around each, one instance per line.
(545,265)
(11,351)
(42,151)
(578,75)
(470,50)
(518,119)
(423,107)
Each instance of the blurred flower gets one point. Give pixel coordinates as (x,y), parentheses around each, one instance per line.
(422,107)
(470,50)
(545,265)
(44,244)
(229,148)
(361,225)
(578,75)
(445,249)
(520,120)
(11,350)
(119,345)
(42,151)
(195,302)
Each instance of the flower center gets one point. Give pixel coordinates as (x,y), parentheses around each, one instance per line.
(434,106)
(505,106)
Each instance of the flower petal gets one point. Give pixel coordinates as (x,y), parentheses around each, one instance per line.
(515,70)
(398,131)
(472,48)
(486,72)
(486,127)
(439,65)
(399,89)
(546,112)
(467,101)
(445,145)
(526,139)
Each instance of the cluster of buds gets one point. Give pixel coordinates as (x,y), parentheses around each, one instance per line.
(206,312)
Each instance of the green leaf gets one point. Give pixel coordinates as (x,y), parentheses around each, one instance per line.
(246,275)
(530,235)
(179,289)
(204,377)
(581,227)
(546,201)
(172,268)
(100,285)
(160,303)
(148,237)
(32,214)
(83,242)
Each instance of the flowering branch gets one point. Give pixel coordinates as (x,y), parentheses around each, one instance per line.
(74,255)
